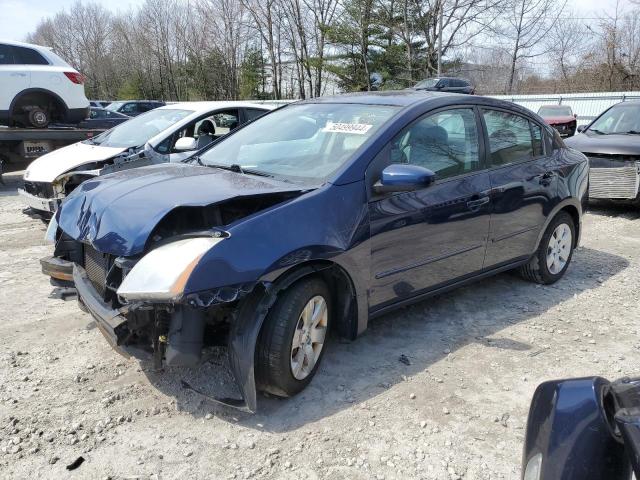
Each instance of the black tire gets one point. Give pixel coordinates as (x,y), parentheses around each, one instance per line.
(537,270)
(274,347)
(38,117)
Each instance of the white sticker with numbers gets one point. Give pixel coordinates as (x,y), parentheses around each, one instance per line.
(357,128)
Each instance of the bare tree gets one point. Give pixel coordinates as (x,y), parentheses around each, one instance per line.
(528,24)
(266,20)
(567,44)
(463,22)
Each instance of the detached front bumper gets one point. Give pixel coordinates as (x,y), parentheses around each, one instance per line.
(49,205)
(57,268)
(110,322)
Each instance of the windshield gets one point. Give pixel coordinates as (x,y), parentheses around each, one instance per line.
(303,143)
(428,83)
(619,119)
(555,111)
(137,131)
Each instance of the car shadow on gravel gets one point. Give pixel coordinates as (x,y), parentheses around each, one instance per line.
(603,208)
(396,346)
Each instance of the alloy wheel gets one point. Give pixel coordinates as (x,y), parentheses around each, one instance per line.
(559,249)
(308,337)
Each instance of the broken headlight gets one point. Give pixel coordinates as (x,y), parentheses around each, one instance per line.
(163,272)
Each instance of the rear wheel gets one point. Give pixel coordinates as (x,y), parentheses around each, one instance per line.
(291,342)
(554,253)
(38,117)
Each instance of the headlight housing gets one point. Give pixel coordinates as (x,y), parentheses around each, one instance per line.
(50,234)
(163,272)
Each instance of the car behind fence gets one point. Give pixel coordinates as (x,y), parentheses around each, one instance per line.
(586,105)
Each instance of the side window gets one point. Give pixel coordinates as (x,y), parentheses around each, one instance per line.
(28,56)
(6,56)
(510,138)
(445,142)
(253,113)
(225,121)
(128,108)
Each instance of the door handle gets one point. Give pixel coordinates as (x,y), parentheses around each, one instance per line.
(16,74)
(475,204)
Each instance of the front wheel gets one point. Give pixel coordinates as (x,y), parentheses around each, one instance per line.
(554,253)
(291,342)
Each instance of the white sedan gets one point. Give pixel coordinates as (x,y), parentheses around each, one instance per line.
(167,134)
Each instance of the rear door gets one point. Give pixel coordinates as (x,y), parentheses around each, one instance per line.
(524,184)
(41,73)
(13,78)
(424,239)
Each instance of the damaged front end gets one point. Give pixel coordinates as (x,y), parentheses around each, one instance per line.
(139,307)
(140,302)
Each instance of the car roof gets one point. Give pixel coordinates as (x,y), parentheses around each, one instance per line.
(53,58)
(23,44)
(202,107)
(400,98)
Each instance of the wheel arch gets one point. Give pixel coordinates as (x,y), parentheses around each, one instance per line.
(39,91)
(573,207)
(341,285)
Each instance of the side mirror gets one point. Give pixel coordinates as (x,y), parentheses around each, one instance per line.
(581,128)
(575,115)
(402,177)
(185,144)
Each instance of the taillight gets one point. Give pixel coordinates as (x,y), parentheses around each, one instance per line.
(75,77)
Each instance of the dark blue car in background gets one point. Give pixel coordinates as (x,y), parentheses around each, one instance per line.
(317,217)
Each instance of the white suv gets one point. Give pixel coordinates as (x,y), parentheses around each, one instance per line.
(38,87)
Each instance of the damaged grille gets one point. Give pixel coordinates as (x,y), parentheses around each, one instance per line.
(39,189)
(96,265)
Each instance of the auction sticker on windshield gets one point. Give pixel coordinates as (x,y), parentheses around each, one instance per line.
(358,128)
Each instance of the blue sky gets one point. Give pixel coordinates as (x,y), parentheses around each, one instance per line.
(19,17)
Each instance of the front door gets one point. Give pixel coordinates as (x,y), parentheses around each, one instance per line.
(427,238)
(524,185)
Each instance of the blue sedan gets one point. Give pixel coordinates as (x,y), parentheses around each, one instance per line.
(313,218)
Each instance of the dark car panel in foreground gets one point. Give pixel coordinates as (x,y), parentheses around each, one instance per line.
(314,218)
(583,429)
(612,144)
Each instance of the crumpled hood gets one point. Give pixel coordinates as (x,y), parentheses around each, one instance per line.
(605,144)
(50,166)
(116,213)
(559,119)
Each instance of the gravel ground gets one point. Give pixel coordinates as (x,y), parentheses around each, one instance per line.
(458,410)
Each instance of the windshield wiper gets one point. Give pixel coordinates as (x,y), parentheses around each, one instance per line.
(632,132)
(194,158)
(599,132)
(234,167)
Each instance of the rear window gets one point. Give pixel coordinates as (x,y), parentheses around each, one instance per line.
(28,56)
(254,113)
